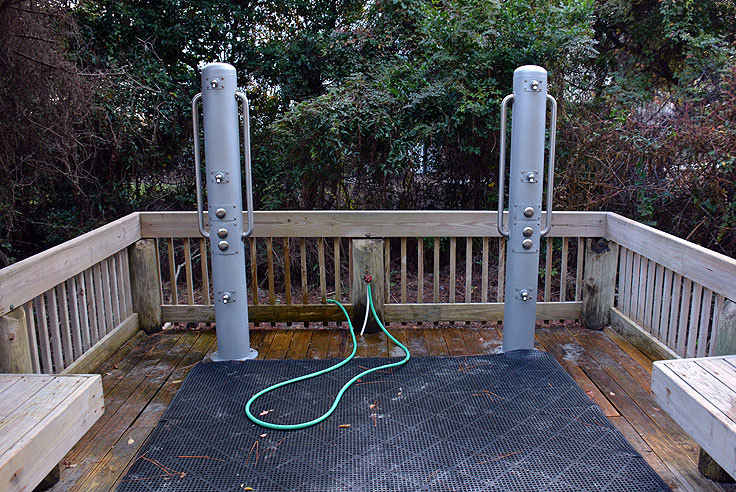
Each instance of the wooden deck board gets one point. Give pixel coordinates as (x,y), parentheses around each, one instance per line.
(143,380)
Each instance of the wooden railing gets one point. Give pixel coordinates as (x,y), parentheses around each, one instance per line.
(73,295)
(672,289)
(664,293)
(438,266)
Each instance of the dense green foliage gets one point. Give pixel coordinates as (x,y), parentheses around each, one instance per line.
(355,104)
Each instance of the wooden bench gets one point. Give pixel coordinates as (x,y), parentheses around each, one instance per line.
(700,395)
(41,418)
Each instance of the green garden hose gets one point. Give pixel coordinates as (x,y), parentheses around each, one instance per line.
(324,371)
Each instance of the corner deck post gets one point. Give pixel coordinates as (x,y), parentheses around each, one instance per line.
(367,259)
(145,284)
(15,349)
(599,282)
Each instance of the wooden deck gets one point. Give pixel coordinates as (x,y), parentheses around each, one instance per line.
(142,380)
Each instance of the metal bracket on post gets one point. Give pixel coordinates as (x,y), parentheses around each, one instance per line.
(525,200)
(225,204)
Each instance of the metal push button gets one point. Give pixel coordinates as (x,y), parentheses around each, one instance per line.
(220,213)
(223,245)
(222,233)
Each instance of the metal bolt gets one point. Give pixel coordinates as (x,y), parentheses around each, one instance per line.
(534,84)
(526,243)
(223,245)
(11,336)
(528,231)
(219,177)
(220,213)
(214,83)
(226,297)
(530,176)
(528,211)
(524,294)
(222,233)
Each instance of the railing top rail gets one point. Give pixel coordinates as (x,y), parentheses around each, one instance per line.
(374,223)
(22,281)
(708,268)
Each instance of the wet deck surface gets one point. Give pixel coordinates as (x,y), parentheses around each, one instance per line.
(142,380)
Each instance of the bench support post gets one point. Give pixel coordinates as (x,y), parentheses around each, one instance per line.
(724,344)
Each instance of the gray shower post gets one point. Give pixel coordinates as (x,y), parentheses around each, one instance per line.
(219,98)
(526,174)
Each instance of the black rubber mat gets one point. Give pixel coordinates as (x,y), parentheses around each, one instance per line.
(507,422)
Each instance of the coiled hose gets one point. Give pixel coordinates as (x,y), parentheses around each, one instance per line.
(342,391)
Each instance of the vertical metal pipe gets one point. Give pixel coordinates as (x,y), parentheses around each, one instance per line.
(525,206)
(225,210)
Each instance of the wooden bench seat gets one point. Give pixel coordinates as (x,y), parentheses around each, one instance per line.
(700,395)
(41,418)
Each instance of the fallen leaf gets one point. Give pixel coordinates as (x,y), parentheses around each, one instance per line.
(262,435)
(265,412)
(130,441)
(343,426)
(612,393)
(114,366)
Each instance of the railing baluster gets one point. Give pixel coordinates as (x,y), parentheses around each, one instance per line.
(635,287)
(403,270)
(453,248)
(188,270)
(628,283)
(43,335)
(387,268)
(674,306)
(336,258)
(657,305)
(109,321)
(64,328)
(71,287)
(91,294)
(620,273)
(303,254)
(32,339)
(664,319)
(705,322)
(121,263)
(287,271)
(484,272)
(548,271)
(269,262)
(254,269)
(649,301)
(692,333)
(114,294)
(158,263)
(322,279)
(350,269)
(436,269)
(579,269)
(501,269)
(720,300)
(84,313)
(468,269)
(55,329)
(684,308)
(420,270)
(204,267)
(172,271)
(563,270)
